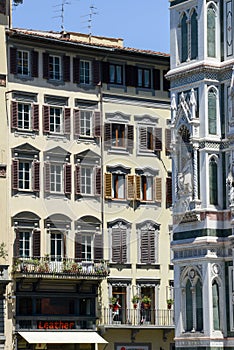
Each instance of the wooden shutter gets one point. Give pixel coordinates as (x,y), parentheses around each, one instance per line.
(107,135)
(147,246)
(97,124)
(76,115)
(130,133)
(67,178)
(34,64)
(78,246)
(166,82)
(47,176)
(98,247)
(158,189)
(156,79)
(17,244)
(138,187)
(36,176)
(108,185)
(77,180)
(14,115)
(158,139)
(13,60)
(131,75)
(64,245)
(66,68)
(35,117)
(98,181)
(168,192)
(36,244)
(116,245)
(45,65)
(96,72)
(15,174)
(143,137)
(130,187)
(167,141)
(46,118)
(105,72)
(76,70)
(151,235)
(67,120)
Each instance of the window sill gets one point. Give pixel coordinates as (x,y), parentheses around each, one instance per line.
(148,266)
(120,266)
(57,137)
(118,151)
(149,153)
(24,133)
(55,82)
(86,140)
(24,77)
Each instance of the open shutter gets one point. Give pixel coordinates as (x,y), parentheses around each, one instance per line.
(76,122)
(66,68)
(107,135)
(158,189)
(138,187)
(158,139)
(67,178)
(14,115)
(34,64)
(98,181)
(156,81)
(130,133)
(143,137)
(77,180)
(17,244)
(98,247)
(46,118)
(108,187)
(36,244)
(36,176)
(166,82)
(130,187)
(105,72)
(45,65)
(96,72)
(76,70)
(67,120)
(13,60)
(35,117)
(78,246)
(168,192)
(15,174)
(97,124)
(167,141)
(47,177)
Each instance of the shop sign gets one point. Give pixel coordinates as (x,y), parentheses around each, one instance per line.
(55,324)
(132,347)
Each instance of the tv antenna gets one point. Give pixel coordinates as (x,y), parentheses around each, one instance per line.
(62,10)
(92,12)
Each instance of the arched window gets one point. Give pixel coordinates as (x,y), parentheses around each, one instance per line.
(194,36)
(216,308)
(212,111)
(199,306)
(211,31)
(189,307)
(213,181)
(184,39)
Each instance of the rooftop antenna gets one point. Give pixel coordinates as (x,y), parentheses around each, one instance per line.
(61,10)
(90,18)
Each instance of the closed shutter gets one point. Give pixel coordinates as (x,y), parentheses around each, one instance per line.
(143,137)
(15,174)
(47,176)
(36,176)
(36,244)
(147,246)
(151,235)
(158,189)
(105,72)
(97,124)
(17,244)
(45,65)
(108,187)
(76,116)
(34,64)
(167,141)
(131,187)
(131,75)
(158,139)
(168,192)
(67,120)
(156,79)
(98,181)
(98,247)
(76,70)
(107,135)
(35,117)
(77,180)
(67,178)
(166,82)
(13,60)
(130,133)
(46,118)
(96,72)
(14,115)
(138,187)
(119,245)
(78,246)
(66,68)
(64,245)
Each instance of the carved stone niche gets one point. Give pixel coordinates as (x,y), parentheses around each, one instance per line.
(3,170)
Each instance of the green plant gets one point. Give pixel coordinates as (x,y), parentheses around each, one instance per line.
(113,300)
(135,299)
(170,301)
(3,251)
(145,299)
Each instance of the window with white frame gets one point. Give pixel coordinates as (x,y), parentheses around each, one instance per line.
(23,62)
(25,177)
(119,184)
(148,186)
(56,178)
(144,78)
(57,118)
(24,113)
(54,67)
(24,244)
(116,74)
(24,119)
(56,246)
(87,247)
(86,123)
(85,72)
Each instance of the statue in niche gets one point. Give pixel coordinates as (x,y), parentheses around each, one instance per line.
(185,176)
(230,184)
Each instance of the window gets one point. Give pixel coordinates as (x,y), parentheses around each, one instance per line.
(213,181)
(86,120)
(116,74)
(56,177)
(56,246)
(144,78)
(23,62)
(87,247)
(118,135)
(145,186)
(150,138)
(194,35)
(211,31)
(189,306)
(24,116)
(189,36)
(56,68)
(24,175)
(24,244)
(87,123)
(212,111)
(184,39)
(118,186)
(57,120)
(119,232)
(85,72)
(147,242)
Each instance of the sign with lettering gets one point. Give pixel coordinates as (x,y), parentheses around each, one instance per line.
(55,324)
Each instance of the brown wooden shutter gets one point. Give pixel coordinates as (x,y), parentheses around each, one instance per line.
(108,185)
(34,64)
(97,124)
(36,176)
(147,246)
(130,187)
(76,70)
(151,235)
(98,181)
(130,133)
(45,65)
(105,72)
(156,79)
(36,244)
(96,72)
(15,174)
(158,139)
(107,135)
(98,247)
(13,60)
(158,189)
(116,244)
(66,68)
(46,118)
(131,75)
(138,187)
(124,245)
(76,115)
(14,115)
(67,178)
(143,137)
(168,192)
(78,179)
(167,141)
(64,245)
(47,176)
(166,82)
(35,117)
(17,244)
(67,121)
(78,246)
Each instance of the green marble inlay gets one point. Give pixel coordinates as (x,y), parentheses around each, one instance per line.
(201,233)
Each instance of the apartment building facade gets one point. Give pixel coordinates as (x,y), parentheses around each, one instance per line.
(87,186)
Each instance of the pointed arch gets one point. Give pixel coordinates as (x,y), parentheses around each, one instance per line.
(216,304)
(184,38)
(212,110)
(211,29)
(213,180)
(194,34)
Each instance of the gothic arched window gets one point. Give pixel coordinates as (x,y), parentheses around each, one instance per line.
(216,308)
(211,31)
(184,39)
(213,181)
(212,111)
(189,306)
(194,36)
(199,306)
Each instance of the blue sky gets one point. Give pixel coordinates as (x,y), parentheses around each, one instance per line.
(142,24)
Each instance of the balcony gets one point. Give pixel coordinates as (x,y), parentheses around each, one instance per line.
(47,267)
(150,318)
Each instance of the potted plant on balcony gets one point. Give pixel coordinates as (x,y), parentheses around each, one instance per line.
(146,301)
(135,300)
(170,302)
(112,302)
